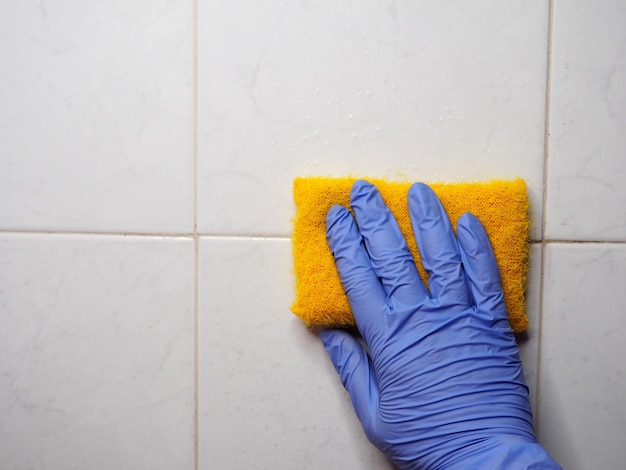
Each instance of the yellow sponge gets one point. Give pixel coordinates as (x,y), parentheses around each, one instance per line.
(502,207)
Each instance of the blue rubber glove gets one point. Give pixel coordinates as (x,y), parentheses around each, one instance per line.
(439,381)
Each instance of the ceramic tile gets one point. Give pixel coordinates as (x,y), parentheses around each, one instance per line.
(269,396)
(96,353)
(582,416)
(587,163)
(425,91)
(96,114)
(529,341)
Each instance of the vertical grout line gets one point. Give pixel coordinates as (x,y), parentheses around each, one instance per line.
(196,241)
(196,348)
(544,203)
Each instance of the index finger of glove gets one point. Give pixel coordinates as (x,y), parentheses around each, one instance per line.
(364,291)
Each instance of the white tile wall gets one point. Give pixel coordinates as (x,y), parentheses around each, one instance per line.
(587,159)
(101,365)
(96,352)
(96,114)
(582,412)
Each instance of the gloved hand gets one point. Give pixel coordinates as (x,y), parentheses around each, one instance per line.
(439,381)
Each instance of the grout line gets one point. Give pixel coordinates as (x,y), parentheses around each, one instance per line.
(193,235)
(196,269)
(546,140)
(246,237)
(97,234)
(582,242)
(196,243)
(195,118)
(235,237)
(544,204)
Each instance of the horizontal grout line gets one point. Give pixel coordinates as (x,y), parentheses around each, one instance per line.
(190,235)
(96,234)
(585,242)
(214,236)
(244,237)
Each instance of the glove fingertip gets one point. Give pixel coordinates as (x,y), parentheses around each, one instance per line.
(361,188)
(473,239)
(425,205)
(470,224)
(335,214)
(419,189)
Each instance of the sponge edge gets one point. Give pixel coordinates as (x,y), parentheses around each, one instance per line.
(501,205)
